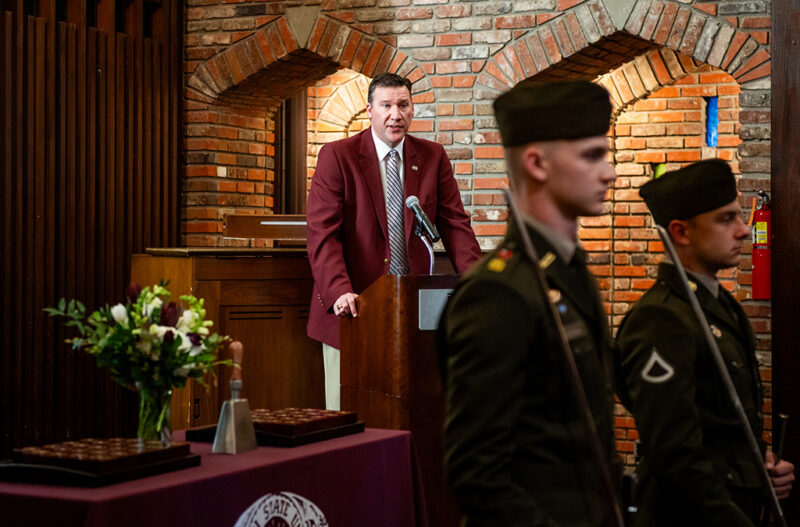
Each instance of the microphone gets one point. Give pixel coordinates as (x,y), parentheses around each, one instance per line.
(412,202)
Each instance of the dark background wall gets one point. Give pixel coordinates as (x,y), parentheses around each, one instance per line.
(786,252)
(90,99)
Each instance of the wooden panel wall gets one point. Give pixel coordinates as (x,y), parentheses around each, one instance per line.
(90,164)
(786,248)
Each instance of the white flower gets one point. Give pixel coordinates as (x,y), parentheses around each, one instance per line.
(159,331)
(120,314)
(186,321)
(181,372)
(186,343)
(148,309)
(196,350)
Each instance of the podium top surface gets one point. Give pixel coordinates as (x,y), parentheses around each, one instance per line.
(225,251)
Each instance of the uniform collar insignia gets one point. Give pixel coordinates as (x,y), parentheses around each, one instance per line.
(546,260)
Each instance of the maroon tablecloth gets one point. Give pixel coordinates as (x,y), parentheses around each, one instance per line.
(370,478)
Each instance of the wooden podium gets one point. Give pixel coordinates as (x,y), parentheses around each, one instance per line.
(390,372)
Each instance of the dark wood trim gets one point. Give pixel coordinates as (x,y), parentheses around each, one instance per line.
(76,12)
(298,162)
(89,161)
(291,144)
(106,15)
(6,243)
(786,249)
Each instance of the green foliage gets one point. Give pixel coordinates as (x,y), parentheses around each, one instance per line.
(149,342)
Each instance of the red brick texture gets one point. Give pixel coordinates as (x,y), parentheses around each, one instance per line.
(245,57)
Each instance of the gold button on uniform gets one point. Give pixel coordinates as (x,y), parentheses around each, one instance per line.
(386,260)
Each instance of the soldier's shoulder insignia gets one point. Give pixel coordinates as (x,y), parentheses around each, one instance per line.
(546,260)
(715,331)
(657,370)
(500,261)
(496,265)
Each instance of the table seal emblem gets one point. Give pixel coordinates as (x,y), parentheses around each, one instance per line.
(282,509)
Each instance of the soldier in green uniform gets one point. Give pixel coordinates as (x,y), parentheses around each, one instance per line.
(696,468)
(516,450)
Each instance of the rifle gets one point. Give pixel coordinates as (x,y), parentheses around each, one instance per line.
(779,424)
(755,452)
(576,384)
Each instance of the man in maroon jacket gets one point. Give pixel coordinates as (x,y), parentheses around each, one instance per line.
(358,225)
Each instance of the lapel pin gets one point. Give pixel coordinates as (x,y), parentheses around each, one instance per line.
(413,167)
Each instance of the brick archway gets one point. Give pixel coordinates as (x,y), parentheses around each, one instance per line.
(658,46)
(635,53)
(282,38)
(343,106)
(231,148)
(574,43)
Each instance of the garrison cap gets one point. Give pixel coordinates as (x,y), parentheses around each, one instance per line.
(537,111)
(689,191)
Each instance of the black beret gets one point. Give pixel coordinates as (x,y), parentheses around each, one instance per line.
(536,111)
(689,191)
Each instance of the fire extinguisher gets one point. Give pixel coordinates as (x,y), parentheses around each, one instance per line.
(762,232)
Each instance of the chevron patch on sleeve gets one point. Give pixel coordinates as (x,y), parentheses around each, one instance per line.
(657,370)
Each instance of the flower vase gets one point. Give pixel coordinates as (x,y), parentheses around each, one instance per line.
(154,416)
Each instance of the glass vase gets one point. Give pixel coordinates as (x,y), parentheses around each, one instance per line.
(154,416)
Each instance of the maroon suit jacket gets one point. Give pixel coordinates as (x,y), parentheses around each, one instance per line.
(348,240)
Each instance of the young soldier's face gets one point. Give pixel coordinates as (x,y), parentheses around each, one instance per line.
(717,236)
(579,175)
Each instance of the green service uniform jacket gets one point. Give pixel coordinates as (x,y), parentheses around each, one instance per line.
(516,452)
(696,468)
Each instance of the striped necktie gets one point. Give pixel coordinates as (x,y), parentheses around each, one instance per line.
(398,262)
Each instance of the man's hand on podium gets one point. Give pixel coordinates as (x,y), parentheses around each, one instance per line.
(346,305)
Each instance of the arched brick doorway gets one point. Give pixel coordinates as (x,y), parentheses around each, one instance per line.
(232,98)
(660,61)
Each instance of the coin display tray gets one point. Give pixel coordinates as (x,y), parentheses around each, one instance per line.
(290,427)
(295,421)
(95,462)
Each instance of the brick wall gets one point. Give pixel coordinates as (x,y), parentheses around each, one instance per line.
(658,58)
(336,109)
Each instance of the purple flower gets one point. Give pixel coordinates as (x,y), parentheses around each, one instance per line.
(195,339)
(169,315)
(132,292)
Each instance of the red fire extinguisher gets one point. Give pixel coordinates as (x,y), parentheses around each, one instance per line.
(762,232)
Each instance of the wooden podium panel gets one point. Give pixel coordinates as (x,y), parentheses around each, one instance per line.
(259,297)
(390,376)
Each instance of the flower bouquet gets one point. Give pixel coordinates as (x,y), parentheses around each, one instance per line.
(149,343)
